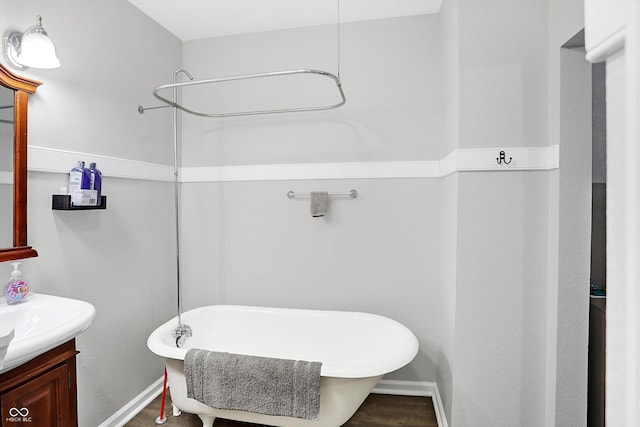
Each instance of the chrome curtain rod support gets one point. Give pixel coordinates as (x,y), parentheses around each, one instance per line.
(182,331)
(353,194)
(248,77)
(142,109)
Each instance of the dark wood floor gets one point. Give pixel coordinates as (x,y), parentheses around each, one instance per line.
(378,410)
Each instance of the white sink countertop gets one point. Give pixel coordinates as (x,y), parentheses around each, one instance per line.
(39,324)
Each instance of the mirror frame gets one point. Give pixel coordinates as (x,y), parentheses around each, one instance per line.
(22,88)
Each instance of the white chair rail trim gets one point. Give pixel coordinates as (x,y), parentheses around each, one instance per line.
(41,159)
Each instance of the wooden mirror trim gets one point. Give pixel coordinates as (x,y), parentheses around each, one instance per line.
(22,88)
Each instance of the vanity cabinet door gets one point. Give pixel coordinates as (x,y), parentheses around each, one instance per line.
(42,402)
(42,392)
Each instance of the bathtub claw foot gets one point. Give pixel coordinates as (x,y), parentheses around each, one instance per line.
(176,411)
(207,420)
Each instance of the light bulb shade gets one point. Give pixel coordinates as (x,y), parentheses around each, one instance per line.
(37,51)
(31,49)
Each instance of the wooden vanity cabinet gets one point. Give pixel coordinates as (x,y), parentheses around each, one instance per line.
(42,392)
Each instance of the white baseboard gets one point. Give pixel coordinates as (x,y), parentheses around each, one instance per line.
(401,388)
(137,404)
(415,388)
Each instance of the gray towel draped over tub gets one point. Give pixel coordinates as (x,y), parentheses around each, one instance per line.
(257,384)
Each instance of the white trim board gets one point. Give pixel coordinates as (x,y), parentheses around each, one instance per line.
(42,159)
(306,171)
(486,159)
(607,46)
(401,388)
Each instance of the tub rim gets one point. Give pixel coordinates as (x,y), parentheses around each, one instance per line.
(404,356)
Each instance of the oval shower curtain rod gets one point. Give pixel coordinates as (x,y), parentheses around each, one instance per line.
(247,77)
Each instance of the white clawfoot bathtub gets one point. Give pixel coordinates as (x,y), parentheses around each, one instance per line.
(356,350)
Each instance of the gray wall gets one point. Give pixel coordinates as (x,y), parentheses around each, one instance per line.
(121,259)
(391,75)
(270,251)
(570,218)
(493,347)
(500,342)
(449,40)
(500,299)
(505,350)
(379,253)
(574,234)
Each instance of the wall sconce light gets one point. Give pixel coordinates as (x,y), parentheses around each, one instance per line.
(31,49)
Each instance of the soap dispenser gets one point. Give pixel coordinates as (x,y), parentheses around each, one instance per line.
(17,289)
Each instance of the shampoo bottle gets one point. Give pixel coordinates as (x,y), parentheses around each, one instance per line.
(96,180)
(17,289)
(79,178)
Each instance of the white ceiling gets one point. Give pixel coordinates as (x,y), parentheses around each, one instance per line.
(198,19)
